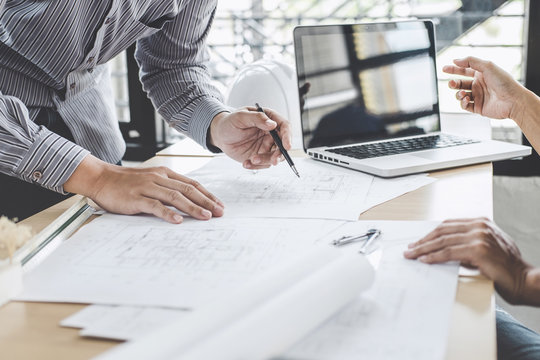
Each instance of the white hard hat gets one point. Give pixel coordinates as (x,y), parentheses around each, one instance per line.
(273,85)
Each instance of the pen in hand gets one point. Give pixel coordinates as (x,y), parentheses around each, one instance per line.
(279,144)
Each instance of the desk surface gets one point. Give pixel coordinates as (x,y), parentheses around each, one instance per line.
(31,330)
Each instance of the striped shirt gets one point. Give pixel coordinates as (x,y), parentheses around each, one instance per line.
(53,54)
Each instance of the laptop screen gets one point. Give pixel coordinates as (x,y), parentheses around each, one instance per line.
(366,82)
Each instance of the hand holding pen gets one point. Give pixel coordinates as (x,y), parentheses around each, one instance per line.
(243,135)
(279,144)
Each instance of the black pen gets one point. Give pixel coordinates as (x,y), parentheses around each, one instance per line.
(279,144)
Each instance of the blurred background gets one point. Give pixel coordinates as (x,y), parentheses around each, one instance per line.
(505,32)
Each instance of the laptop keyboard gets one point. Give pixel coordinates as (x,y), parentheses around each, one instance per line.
(402,146)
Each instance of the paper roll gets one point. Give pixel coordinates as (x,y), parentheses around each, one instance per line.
(263,318)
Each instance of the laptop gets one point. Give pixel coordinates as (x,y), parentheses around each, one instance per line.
(369,101)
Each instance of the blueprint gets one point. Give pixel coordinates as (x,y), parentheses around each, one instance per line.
(323,191)
(142,260)
(405,315)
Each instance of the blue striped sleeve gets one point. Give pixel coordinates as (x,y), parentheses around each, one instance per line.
(33,153)
(174,72)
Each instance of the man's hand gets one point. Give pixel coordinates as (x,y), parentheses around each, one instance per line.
(489,90)
(143,190)
(477,243)
(244,136)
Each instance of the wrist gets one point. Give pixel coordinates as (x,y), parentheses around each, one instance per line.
(530,294)
(87,178)
(212,138)
(525,101)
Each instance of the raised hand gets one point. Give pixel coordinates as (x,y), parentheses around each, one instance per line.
(488,89)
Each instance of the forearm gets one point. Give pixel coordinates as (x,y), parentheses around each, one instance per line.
(32,153)
(174,72)
(531,289)
(527,116)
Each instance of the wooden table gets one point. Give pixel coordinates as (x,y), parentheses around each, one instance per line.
(31,330)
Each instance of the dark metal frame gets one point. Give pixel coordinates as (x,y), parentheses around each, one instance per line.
(142,134)
(530,165)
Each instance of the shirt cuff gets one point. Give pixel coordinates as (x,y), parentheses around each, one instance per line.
(50,161)
(202,117)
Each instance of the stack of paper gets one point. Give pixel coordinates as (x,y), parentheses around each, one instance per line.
(263,318)
(407,310)
(145,274)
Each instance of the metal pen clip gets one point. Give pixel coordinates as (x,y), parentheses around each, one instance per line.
(365,247)
(344,240)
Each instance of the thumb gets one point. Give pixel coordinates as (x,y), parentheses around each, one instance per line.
(473,63)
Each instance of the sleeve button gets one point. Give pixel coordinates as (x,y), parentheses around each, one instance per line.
(37,175)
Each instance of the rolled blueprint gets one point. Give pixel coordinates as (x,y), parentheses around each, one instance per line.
(263,318)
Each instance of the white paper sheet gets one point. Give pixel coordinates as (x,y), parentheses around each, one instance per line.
(142,260)
(121,322)
(406,313)
(383,190)
(264,317)
(88,316)
(323,191)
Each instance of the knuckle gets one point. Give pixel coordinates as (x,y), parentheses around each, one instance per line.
(161,170)
(447,253)
(193,209)
(444,240)
(482,223)
(188,190)
(485,234)
(480,248)
(154,205)
(436,232)
(175,196)
(195,184)
(154,176)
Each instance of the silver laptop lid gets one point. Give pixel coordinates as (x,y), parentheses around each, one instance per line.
(366,82)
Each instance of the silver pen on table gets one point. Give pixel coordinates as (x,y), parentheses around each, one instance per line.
(344,240)
(365,247)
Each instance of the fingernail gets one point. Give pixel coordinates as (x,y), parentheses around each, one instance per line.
(410,246)
(407,252)
(423,258)
(206,213)
(270,123)
(218,209)
(178,218)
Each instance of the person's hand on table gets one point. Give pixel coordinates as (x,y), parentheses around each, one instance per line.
(143,190)
(488,89)
(244,136)
(476,243)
